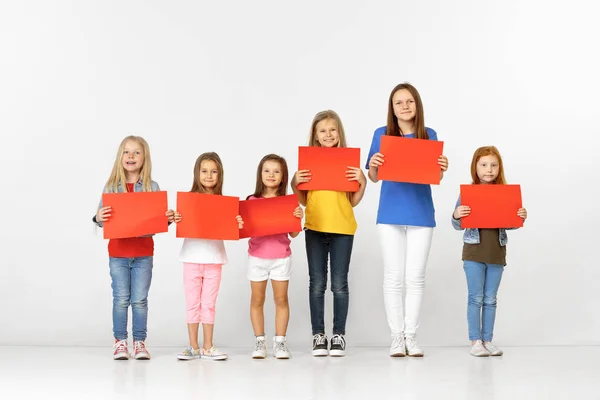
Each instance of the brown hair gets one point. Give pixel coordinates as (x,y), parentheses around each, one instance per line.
(487,151)
(321,116)
(260,186)
(196,185)
(393,129)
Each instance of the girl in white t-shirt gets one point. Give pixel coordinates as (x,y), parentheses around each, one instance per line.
(270,257)
(202,261)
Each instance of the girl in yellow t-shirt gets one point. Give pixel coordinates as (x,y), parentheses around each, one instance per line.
(329,231)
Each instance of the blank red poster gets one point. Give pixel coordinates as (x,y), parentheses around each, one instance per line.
(492,206)
(135,214)
(328,166)
(410,160)
(207,216)
(269,216)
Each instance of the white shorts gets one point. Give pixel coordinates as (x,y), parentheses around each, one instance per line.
(261,269)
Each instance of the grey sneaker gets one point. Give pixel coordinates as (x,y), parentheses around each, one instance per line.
(398,348)
(338,346)
(260,348)
(494,351)
(280,349)
(412,347)
(478,350)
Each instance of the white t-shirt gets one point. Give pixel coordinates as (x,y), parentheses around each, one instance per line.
(203,251)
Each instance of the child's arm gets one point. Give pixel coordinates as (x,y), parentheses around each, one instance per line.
(374,163)
(443,163)
(522,212)
(356,174)
(300,177)
(298,213)
(459,212)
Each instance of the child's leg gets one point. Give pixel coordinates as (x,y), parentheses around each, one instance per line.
(192,283)
(282,307)
(257,303)
(493,276)
(317,249)
(341,252)
(475,273)
(208,301)
(141,277)
(393,248)
(418,243)
(120,273)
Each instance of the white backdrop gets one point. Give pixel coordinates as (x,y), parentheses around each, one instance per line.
(245,79)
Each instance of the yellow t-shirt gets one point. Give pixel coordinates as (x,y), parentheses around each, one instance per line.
(329,211)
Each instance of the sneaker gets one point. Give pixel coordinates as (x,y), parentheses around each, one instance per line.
(338,346)
(120,350)
(189,354)
(319,345)
(412,347)
(479,350)
(213,354)
(280,349)
(494,351)
(398,348)
(139,350)
(260,348)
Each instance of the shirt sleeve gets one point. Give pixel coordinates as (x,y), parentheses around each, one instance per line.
(375,144)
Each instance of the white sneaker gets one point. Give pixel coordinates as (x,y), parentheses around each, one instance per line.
(479,350)
(494,351)
(412,347)
(398,348)
(189,354)
(260,348)
(120,350)
(280,349)
(213,354)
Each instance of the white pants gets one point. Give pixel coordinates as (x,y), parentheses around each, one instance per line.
(405,250)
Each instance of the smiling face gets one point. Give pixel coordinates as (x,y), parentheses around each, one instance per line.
(271,174)
(327,133)
(405,107)
(133,157)
(488,168)
(209,174)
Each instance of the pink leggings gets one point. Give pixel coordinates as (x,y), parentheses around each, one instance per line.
(201,283)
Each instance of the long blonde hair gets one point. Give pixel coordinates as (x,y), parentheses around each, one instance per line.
(117,175)
(487,151)
(323,115)
(196,185)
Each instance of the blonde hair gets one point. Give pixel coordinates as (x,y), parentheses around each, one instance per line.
(321,116)
(197,187)
(117,176)
(487,151)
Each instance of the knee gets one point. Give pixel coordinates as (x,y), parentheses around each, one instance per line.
(415,282)
(317,285)
(339,287)
(257,300)
(489,301)
(139,303)
(281,301)
(476,299)
(121,301)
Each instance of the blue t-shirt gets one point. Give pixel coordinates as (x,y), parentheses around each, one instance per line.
(403,203)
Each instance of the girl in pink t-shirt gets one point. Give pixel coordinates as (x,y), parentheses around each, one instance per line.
(270,257)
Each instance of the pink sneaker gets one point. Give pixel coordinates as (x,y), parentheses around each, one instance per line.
(120,348)
(139,350)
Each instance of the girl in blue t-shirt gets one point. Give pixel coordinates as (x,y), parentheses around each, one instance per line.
(405,222)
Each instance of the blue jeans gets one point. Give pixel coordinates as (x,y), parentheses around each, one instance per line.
(483,281)
(319,247)
(131,279)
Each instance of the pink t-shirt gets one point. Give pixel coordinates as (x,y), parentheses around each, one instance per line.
(271,246)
